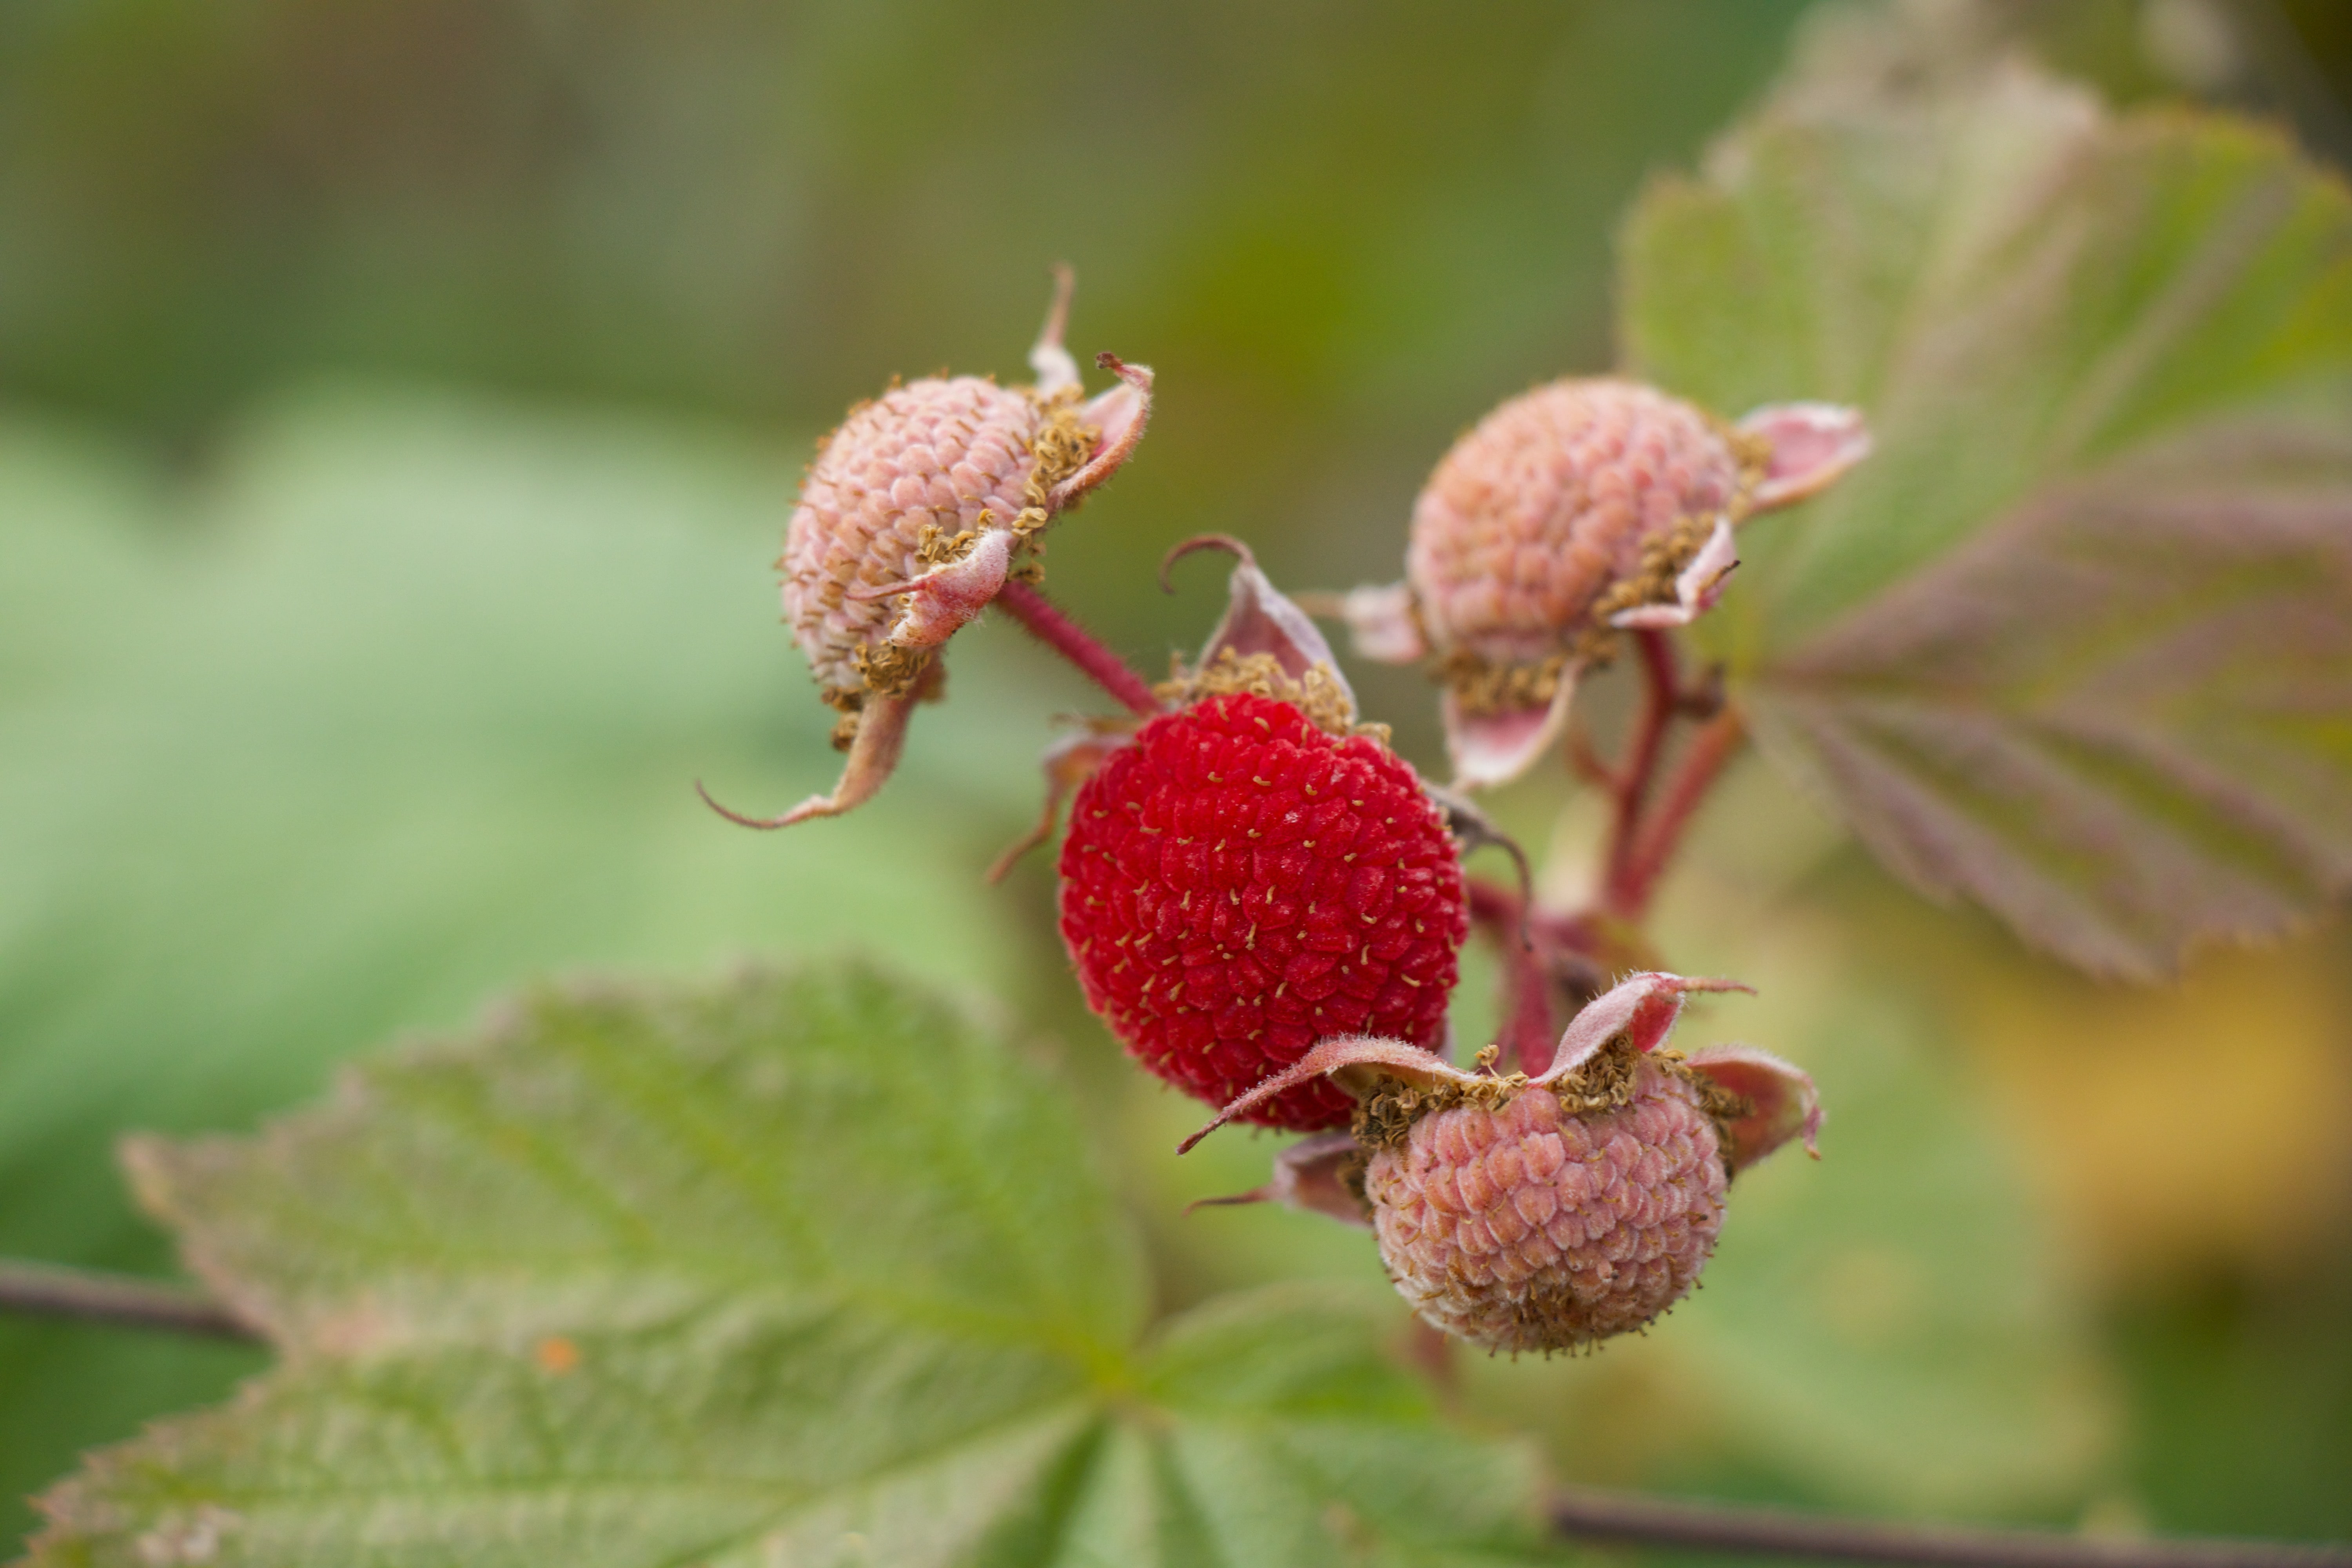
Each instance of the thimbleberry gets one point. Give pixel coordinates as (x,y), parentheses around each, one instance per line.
(1238,883)
(1253,871)
(1547,1213)
(1574,511)
(916,511)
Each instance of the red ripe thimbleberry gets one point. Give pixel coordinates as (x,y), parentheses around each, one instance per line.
(1239,882)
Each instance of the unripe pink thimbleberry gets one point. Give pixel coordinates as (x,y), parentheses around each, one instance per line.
(1548,1214)
(1556,1217)
(916,511)
(1582,509)
(1253,871)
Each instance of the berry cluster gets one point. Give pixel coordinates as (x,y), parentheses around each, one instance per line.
(1266,903)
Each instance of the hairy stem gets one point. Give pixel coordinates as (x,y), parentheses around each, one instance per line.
(1581,1514)
(1648,816)
(1529,1027)
(1661,693)
(1661,832)
(1057,631)
(52,1290)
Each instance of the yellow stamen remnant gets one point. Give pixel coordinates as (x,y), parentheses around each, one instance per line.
(1317,694)
(1483,687)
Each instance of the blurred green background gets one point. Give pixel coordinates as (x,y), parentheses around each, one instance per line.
(399,403)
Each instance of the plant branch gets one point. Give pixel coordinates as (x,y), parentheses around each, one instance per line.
(1578,1514)
(1050,626)
(1586,763)
(1586,1515)
(1529,1029)
(52,1290)
(1660,694)
(1717,742)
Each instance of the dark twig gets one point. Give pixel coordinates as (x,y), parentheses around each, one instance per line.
(1057,630)
(1584,1515)
(51,1290)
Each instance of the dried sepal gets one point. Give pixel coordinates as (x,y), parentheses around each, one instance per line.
(1782,1103)
(879,733)
(1382,623)
(1267,646)
(1259,618)
(1322,1175)
(1493,745)
(1049,359)
(1067,763)
(1116,417)
(943,601)
(1642,1007)
(1697,586)
(1356,1060)
(1810,445)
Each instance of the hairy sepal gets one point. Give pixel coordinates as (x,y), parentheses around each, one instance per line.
(1381,623)
(1489,749)
(1260,618)
(1697,586)
(1118,415)
(1812,445)
(1310,1176)
(1785,1103)
(1643,1008)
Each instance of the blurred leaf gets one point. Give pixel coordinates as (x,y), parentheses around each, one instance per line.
(797,1267)
(1896,1322)
(1898,1327)
(2077,642)
(2085,1072)
(397,698)
(2242,1401)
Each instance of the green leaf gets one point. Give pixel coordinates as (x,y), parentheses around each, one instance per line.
(394,699)
(2076,641)
(794,1268)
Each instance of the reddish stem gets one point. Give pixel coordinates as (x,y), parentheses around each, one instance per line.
(1057,630)
(1717,742)
(1529,1028)
(1586,763)
(1661,692)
